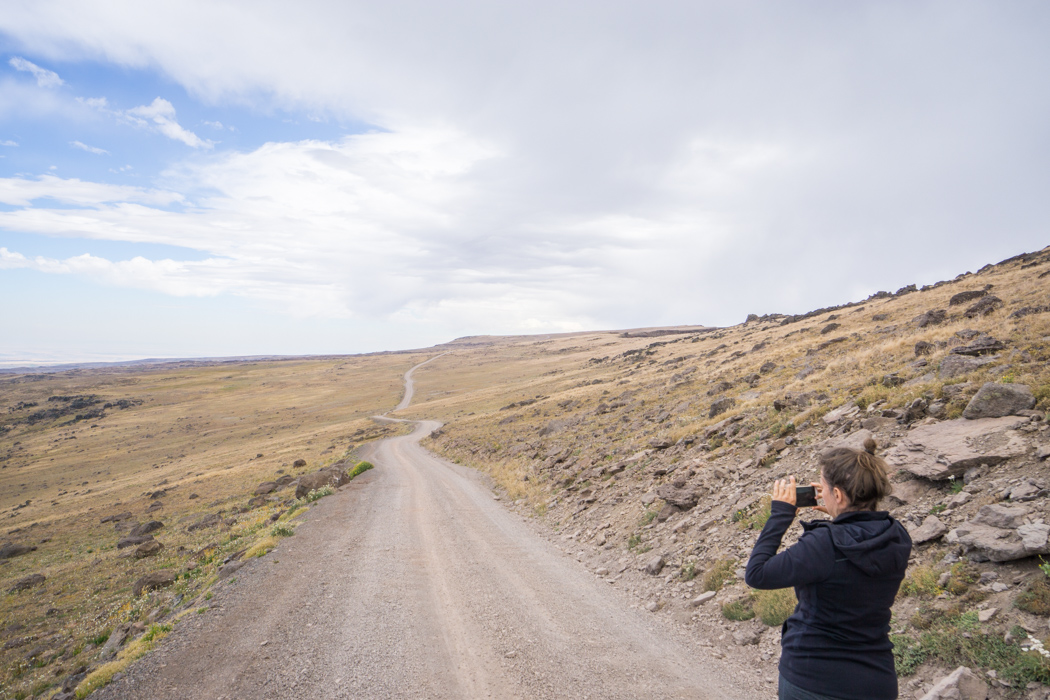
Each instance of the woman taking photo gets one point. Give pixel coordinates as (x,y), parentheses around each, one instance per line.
(846,572)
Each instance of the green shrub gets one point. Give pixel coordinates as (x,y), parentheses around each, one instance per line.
(361,468)
(689,571)
(719,574)
(921,583)
(773,607)
(959,640)
(100,639)
(738,610)
(281,530)
(648,516)
(1036,598)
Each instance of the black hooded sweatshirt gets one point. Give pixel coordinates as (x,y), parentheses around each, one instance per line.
(846,573)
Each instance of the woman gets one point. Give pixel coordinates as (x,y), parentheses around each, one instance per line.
(846,572)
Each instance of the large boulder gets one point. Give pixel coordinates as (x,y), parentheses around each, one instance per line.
(995,400)
(330,476)
(966,297)
(207,521)
(961,684)
(134,541)
(984,307)
(148,549)
(949,448)
(999,533)
(983,345)
(721,406)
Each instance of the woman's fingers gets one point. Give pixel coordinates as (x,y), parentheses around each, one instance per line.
(784,490)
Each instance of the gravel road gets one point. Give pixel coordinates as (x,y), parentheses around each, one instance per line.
(414,582)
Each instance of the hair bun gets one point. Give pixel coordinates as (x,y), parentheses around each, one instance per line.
(869,446)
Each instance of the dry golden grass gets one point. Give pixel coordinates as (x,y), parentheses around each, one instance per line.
(199,430)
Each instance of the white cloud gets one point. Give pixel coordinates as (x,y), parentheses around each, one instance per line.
(8,143)
(214,125)
(161,114)
(94,102)
(90,149)
(44,77)
(23,192)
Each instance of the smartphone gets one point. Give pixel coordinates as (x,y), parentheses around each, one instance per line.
(805,496)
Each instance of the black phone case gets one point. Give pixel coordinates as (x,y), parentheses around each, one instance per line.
(805,496)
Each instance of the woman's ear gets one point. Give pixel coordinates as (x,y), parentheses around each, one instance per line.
(840,496)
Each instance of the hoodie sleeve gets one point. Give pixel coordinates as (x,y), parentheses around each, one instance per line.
(803,563)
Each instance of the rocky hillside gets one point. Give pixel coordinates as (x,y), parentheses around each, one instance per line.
(650,459)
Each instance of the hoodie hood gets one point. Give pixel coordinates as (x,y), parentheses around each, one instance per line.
(872,541)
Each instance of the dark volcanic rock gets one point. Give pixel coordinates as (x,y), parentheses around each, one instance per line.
(133,541)
(148,549)
(265,488)
(984,345)
(11,549)
(154,580)
(207,521)
(966,297)
(145,528)
(721,406)
(24,584)
(984,307)
(932,317)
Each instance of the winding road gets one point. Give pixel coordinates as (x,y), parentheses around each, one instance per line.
(414,582)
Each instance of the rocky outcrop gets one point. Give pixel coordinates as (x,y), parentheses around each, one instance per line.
(207,521)
(265,488)
(983,345)
(995,400)
(681,498)
(1001,533)
(148,549)
(333,476)
(948,449)
(957,365)
(145,528)
(984,307)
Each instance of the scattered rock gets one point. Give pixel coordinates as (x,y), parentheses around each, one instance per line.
(984,345)
(24,584)
(145,528)
(10,550)
(299,463)
(931,529)
(682,498)
(995,515)
(830,328)
(747,635)
(655,565)
(133,541)
(154,580)
(257,502)
(265,488)
(984,307)
(923,348)
(148,549)
(767,367)
(966,297)
(1029,310)
(930,318)
(207,521)
(230,569)
(847,411)
(994,400)
(949,448)
(721,406)
(962,684)
(116,517)
(702,598)
(986,614)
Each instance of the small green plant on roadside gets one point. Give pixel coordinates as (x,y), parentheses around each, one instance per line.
(317,494)
(939,508)
(361,468)
(100,639)
(633,541)
(281,530)
(961,577)
(955,485)
(1044,566)
(202,609)
(689,571)
(921,583)
(774,607)
(208,595)
(719,573)
(648,516)
(757,519)
(738,610)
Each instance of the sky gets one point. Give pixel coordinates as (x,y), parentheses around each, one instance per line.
(200,179)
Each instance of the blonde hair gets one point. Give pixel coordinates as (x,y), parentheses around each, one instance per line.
(861,475)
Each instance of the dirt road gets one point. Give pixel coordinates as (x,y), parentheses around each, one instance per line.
(415,583)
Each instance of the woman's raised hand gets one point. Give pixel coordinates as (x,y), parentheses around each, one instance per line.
(784,490)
